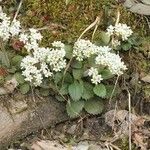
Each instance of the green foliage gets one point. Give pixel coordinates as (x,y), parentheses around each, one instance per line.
(73,86)
(58,77)
(105,38)
(132,43)
(77,64)
(77,73)
(4,59)
(87,91)
(16,60)
(24,88)
(68,49)
(74,108)
(94,106)
(75,90)
(44,92)
(2,80)
(100,90)
(106,74)
(64,89)
(19,77)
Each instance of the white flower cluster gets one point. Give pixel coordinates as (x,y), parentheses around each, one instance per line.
(7,28)
(31,39)
(83,49)
(41,62)
(121,30)
(103,56)
(112,61)
(96,78)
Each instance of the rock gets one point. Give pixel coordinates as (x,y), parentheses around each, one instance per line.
(47,145)
(134,6)
(95,147)
(82,146)
(146,78)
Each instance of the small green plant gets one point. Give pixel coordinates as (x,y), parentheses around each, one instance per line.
(77,74)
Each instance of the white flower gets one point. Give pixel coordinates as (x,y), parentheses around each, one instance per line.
(23,37)
(92,71)
(35,35)
(58,44)
(110,30)
(121,30)
(4,26)
(15,28)
(46,71)
(42,62)
(83,49)
(116,43)
(31,46)
(8,29)
(96,79)
(113,61)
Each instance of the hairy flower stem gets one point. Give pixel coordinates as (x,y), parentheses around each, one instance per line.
(66,69)
(4,59)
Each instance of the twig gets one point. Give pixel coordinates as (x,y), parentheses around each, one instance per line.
(97,20)
(113,89)
(118,17)
(94,31)
(115,147)
(114,116)
(130,131)
(147,22)
(16,14)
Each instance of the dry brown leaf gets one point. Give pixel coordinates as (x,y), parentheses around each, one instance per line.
(139,121)
(8,87)
(3,71)
(138,139)
(11,85)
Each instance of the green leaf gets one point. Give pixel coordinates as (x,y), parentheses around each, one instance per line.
(87,91)
(64,89)
(105,38)
(100,90)
(58,77)
(91,61)
(68,78)
(77,64)
(75,90)
(16,60)
(12,69)
(77,73)
(19,77)
(74,108)
(106,74)
(94,106)
(44,92)
(2,80)
(8,77)
(126,46)
(68,49)
(4,59)
(24,88)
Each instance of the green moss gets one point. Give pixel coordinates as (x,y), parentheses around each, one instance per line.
(74,17)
